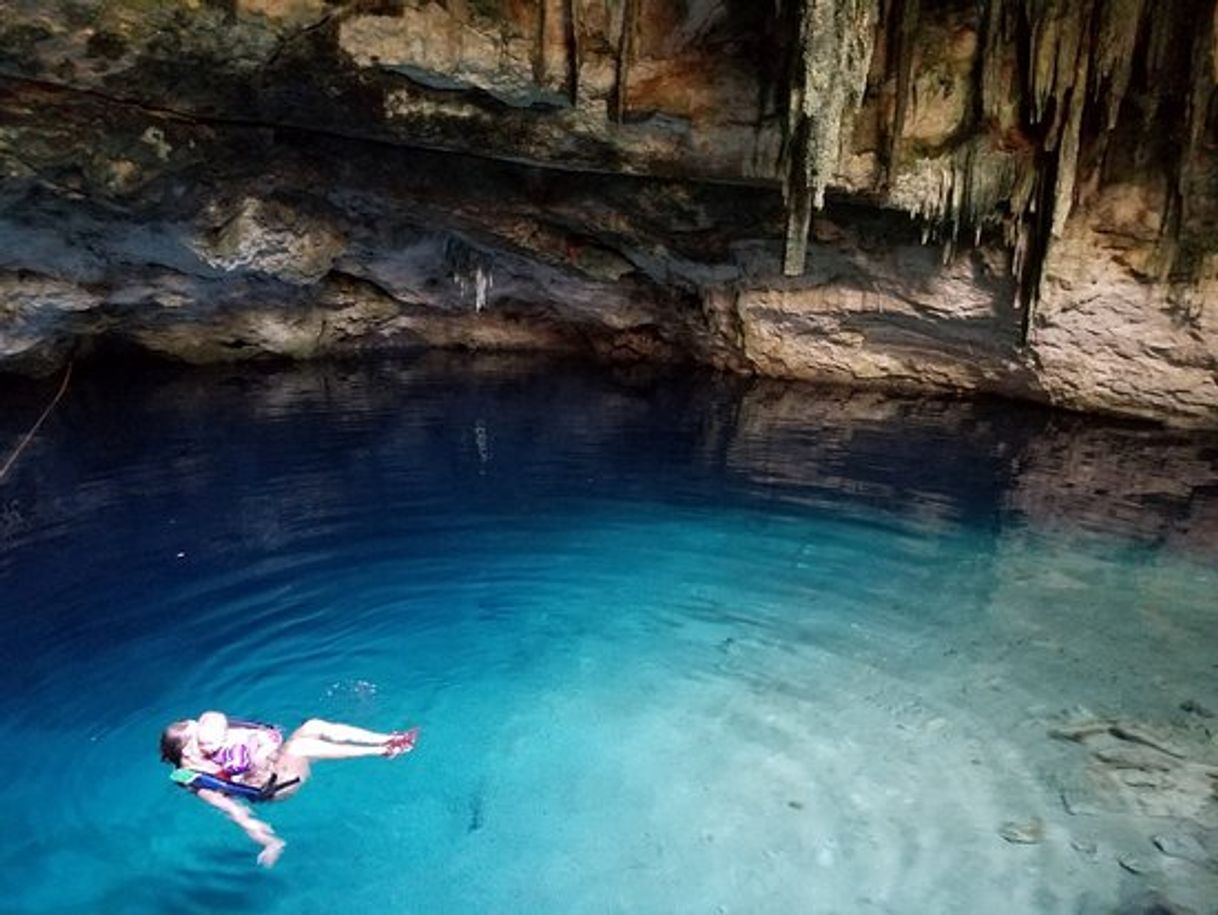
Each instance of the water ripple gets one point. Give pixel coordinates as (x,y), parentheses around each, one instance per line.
(798,661)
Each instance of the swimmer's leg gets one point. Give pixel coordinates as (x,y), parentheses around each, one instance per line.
(317,729)
(316,748)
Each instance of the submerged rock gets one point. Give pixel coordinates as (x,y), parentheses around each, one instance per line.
(1162,779)
(1085,847)
(1029,832)
(1193,707)
(1186,847)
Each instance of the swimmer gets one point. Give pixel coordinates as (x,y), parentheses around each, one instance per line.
(223,761)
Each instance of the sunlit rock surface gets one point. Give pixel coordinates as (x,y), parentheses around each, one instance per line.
(1016,199)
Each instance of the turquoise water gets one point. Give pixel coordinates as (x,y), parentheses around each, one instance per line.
(676,644)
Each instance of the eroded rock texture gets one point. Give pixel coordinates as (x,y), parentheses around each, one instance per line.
(1017,196)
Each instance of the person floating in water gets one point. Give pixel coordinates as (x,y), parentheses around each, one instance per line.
(224,761)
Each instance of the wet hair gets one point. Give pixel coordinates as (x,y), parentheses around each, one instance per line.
(173,738)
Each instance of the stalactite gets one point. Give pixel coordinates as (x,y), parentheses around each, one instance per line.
(959,192)
(1059,58)
(800,197)
(1078,55)
(1114,55)
(1202,91)
(558,18)
(571,34)
(539,54)
(905,15)
(1214,43)
(1043,45)
(625,55)
(1070,144)
(998,83)
(1182,238)
(1052,83)
(835,44)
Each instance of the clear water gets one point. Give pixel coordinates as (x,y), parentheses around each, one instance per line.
(677,644)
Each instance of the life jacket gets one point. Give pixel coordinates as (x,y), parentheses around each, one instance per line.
(196,779)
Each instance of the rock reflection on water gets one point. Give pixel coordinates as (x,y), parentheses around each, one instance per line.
(948,457)
(1147,483)
(944,459)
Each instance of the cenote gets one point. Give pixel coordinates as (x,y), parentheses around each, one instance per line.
(677,642)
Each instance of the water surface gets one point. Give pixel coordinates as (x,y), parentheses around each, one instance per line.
(678,643)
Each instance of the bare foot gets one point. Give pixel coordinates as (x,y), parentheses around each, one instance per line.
(401,742)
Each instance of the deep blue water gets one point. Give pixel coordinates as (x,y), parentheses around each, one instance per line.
(677,643)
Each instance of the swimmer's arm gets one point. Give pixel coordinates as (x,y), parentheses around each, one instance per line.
(260,832)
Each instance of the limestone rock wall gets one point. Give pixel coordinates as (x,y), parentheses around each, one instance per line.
(1013,196)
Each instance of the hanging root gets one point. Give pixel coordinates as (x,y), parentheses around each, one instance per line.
(29,436)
